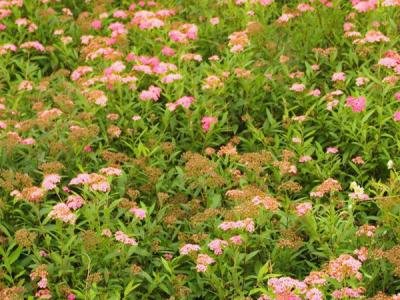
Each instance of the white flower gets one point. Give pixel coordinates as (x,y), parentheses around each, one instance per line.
(390,164)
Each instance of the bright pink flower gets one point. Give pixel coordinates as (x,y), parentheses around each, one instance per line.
(396,116)
(110,171)
(96,24)
(356,104)
(206,123)
(71,296)
(140,213)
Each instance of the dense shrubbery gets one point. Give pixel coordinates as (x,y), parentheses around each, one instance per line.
(199,149)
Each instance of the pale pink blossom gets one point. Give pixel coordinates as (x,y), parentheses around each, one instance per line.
(125,239)
(217,245)
(339,76)
(186,249)
(74,202)
(298,87)
(303,208)
(140,213)
(62,212)
(50,181)
(203,261)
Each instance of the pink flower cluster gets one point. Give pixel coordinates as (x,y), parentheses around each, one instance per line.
(366,230)
(343,267)
(110,171)
(364,5)
(346,293)
(206,122)
(150,65)
(186,249)
(247,224)
(362,254)
(269,203)
(125,239)
(50,181)
(391,60)
(184,33)
(74,202)
(285,287)
(95,181)
(171,78)
(185,102)
(140,213)
(80,71)
(153,93)
(357,104)
(298,87)
(217,245)
(31,194)
(62,212)
(303,208)
(372,36)
(33,45)
(203,261)
(339,76)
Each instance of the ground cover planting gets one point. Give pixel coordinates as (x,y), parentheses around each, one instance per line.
(200,149)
